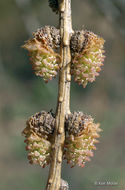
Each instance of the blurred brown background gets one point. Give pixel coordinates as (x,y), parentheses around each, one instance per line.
(22,93)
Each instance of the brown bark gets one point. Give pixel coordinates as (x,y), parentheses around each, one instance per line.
(63,103)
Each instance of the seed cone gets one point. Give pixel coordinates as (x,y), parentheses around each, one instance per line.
(87,52)
(45,61)
(81,138)
(38,134)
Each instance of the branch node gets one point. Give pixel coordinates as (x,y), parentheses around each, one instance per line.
(61,99)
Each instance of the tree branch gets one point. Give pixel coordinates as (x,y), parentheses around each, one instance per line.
(54,179)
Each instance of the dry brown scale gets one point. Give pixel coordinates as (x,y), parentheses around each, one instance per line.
(42,123)
(48,35)
(75,123)
(78,41)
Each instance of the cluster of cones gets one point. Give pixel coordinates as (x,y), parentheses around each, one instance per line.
(81,134)
(86,49)
(81,131)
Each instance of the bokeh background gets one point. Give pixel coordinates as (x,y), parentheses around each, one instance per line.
(22,94)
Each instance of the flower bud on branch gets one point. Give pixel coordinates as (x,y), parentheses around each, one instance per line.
(82,134)
(87,52)
(38,134)
(45,61)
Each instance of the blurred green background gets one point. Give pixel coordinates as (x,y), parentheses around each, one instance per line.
(22,94)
